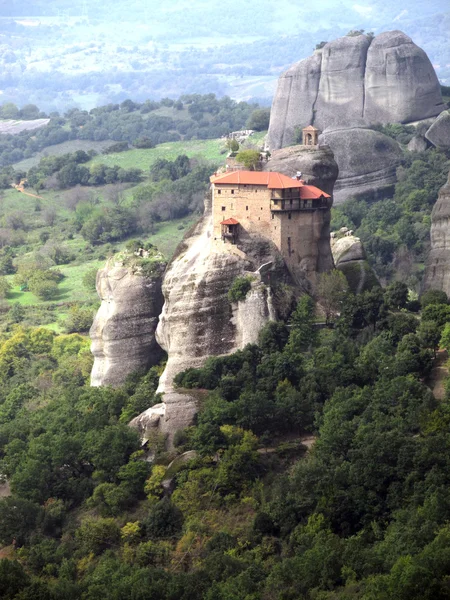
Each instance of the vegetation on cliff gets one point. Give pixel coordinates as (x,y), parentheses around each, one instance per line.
(396,231)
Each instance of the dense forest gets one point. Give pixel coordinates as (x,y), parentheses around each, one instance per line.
(253,514)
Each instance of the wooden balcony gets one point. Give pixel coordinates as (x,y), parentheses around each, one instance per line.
(295,205)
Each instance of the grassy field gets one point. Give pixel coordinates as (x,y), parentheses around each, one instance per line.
(71,288)
(211,150)
(64,148)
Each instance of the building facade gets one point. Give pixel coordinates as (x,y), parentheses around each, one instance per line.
(285,210)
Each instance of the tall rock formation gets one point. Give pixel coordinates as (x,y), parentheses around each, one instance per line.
(367,161)
(437,267)
(355,82)
(123,331)
(198,319)
(346,87)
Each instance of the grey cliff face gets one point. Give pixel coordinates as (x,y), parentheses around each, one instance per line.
(123,331)
(355,81)
(437,267)
(367,161)
(400,83)
(439,132)
(198,320)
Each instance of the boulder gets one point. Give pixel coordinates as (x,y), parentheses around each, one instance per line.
(123,331)
(439,132)
(350,258)
(355,82)
(367,162)
(417,144)
(316,164)
(437,265)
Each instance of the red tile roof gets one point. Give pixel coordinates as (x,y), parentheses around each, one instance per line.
(272,180)
(230,221)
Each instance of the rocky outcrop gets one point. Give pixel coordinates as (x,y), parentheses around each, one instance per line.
(176,412)
(198,319)
(439,132)
(355,82)
(123,331)
(316,164)
(367,162)
(437,266)
(350,258)
(417,144)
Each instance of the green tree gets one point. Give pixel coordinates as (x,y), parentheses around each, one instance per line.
(332,289)
(445,337)
(433,297)
(429,334)
(303,333)
(249,158)
(5,287)
(18,519)
(13,579)
(98,535)
(259,119)
(396,295)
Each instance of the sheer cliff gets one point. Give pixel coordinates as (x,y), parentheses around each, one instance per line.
(123,331)
(437,267)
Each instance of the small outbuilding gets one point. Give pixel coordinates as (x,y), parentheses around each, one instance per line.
(310,136)
(230,229)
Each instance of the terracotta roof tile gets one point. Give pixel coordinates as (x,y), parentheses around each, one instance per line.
(270,179)
(230,221)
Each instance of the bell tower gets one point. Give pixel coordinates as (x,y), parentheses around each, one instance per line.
(310,136)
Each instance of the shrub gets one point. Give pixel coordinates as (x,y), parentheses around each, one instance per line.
(240,288)
(78,319)
(90,279)
(44,289)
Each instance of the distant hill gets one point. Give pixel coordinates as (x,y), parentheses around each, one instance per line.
(63,53)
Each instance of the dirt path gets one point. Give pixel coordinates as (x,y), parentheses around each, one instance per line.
(20,188)
(438,375)
(5,490)
(306,440)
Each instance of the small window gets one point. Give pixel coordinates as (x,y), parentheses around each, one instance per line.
(224,208)
(219,191)
(232,191)
(289,216)
(246,208)
(231,206)
(272,215)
